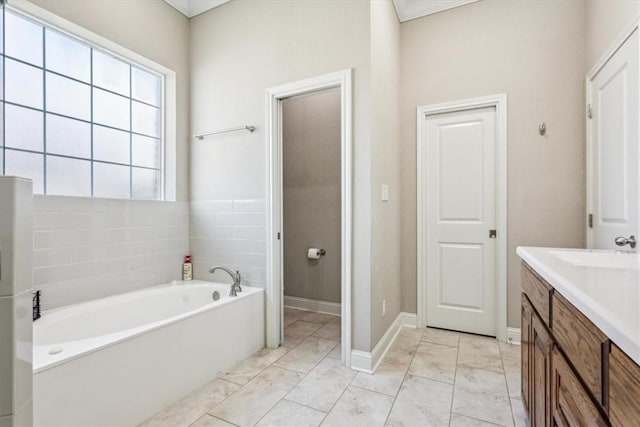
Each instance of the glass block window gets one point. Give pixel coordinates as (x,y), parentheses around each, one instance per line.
(78,120)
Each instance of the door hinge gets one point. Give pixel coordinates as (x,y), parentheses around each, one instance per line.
(589,111)
(590,220)
(278,235)
(493,234)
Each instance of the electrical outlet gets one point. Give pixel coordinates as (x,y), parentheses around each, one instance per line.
(384,307)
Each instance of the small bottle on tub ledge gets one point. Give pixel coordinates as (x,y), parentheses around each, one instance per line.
(187,270)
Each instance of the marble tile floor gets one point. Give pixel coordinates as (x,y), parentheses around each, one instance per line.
(428,377)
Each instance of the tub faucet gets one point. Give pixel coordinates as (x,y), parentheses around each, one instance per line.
(235,287)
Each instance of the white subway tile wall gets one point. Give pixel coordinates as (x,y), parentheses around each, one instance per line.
(230,233)
(92,248)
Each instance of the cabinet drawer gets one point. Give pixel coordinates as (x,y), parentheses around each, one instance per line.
(583,342)
(571,405)
(538,291)
(624,389)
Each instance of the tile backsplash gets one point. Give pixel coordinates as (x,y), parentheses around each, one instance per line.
(230,233)
(91,248)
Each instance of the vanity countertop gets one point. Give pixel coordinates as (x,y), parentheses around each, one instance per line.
(603,285)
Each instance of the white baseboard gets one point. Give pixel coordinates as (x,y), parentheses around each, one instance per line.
(368,362)
(361,361)
(408,319)
(514,336)
(312,305)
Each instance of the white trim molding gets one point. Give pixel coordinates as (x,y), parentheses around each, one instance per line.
(274,289)
(500,103)
(514,336)
(318,306)
(368,362)
(410,320)
(361,361)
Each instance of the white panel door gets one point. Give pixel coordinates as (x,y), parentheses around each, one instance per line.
(460,183)
(614,147)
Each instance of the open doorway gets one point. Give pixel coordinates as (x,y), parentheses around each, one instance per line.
(311,216)
(309,238)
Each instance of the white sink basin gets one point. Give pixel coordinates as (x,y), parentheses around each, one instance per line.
(604,259)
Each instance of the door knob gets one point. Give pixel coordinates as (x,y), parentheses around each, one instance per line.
(622,241)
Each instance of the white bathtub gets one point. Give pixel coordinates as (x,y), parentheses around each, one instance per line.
(119,360)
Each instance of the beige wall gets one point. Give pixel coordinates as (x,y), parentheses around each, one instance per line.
(237,52)
(606,19)
(311,130)
(536,52)
(532,51)
(385,167)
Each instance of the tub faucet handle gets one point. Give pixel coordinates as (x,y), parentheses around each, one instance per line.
(238,280)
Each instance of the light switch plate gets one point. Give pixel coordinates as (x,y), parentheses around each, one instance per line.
(385,193)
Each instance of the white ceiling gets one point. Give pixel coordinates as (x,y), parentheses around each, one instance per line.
(412,9)
(406,9)
(191,8)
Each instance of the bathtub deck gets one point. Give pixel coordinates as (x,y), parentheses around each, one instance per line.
(429,377)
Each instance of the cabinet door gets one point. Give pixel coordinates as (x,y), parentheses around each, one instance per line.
(624,389)
(540,380)
(525,349)
(571,404)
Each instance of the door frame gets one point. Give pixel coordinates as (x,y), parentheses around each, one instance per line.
(274,286)
(600,63)
(500,103)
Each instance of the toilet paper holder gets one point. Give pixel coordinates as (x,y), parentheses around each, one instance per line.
(315,253)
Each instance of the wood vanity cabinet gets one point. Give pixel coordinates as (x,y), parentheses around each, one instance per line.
(571,405)
(537,346)
(542,347)
(624,389)
(583,343)
(565,364)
